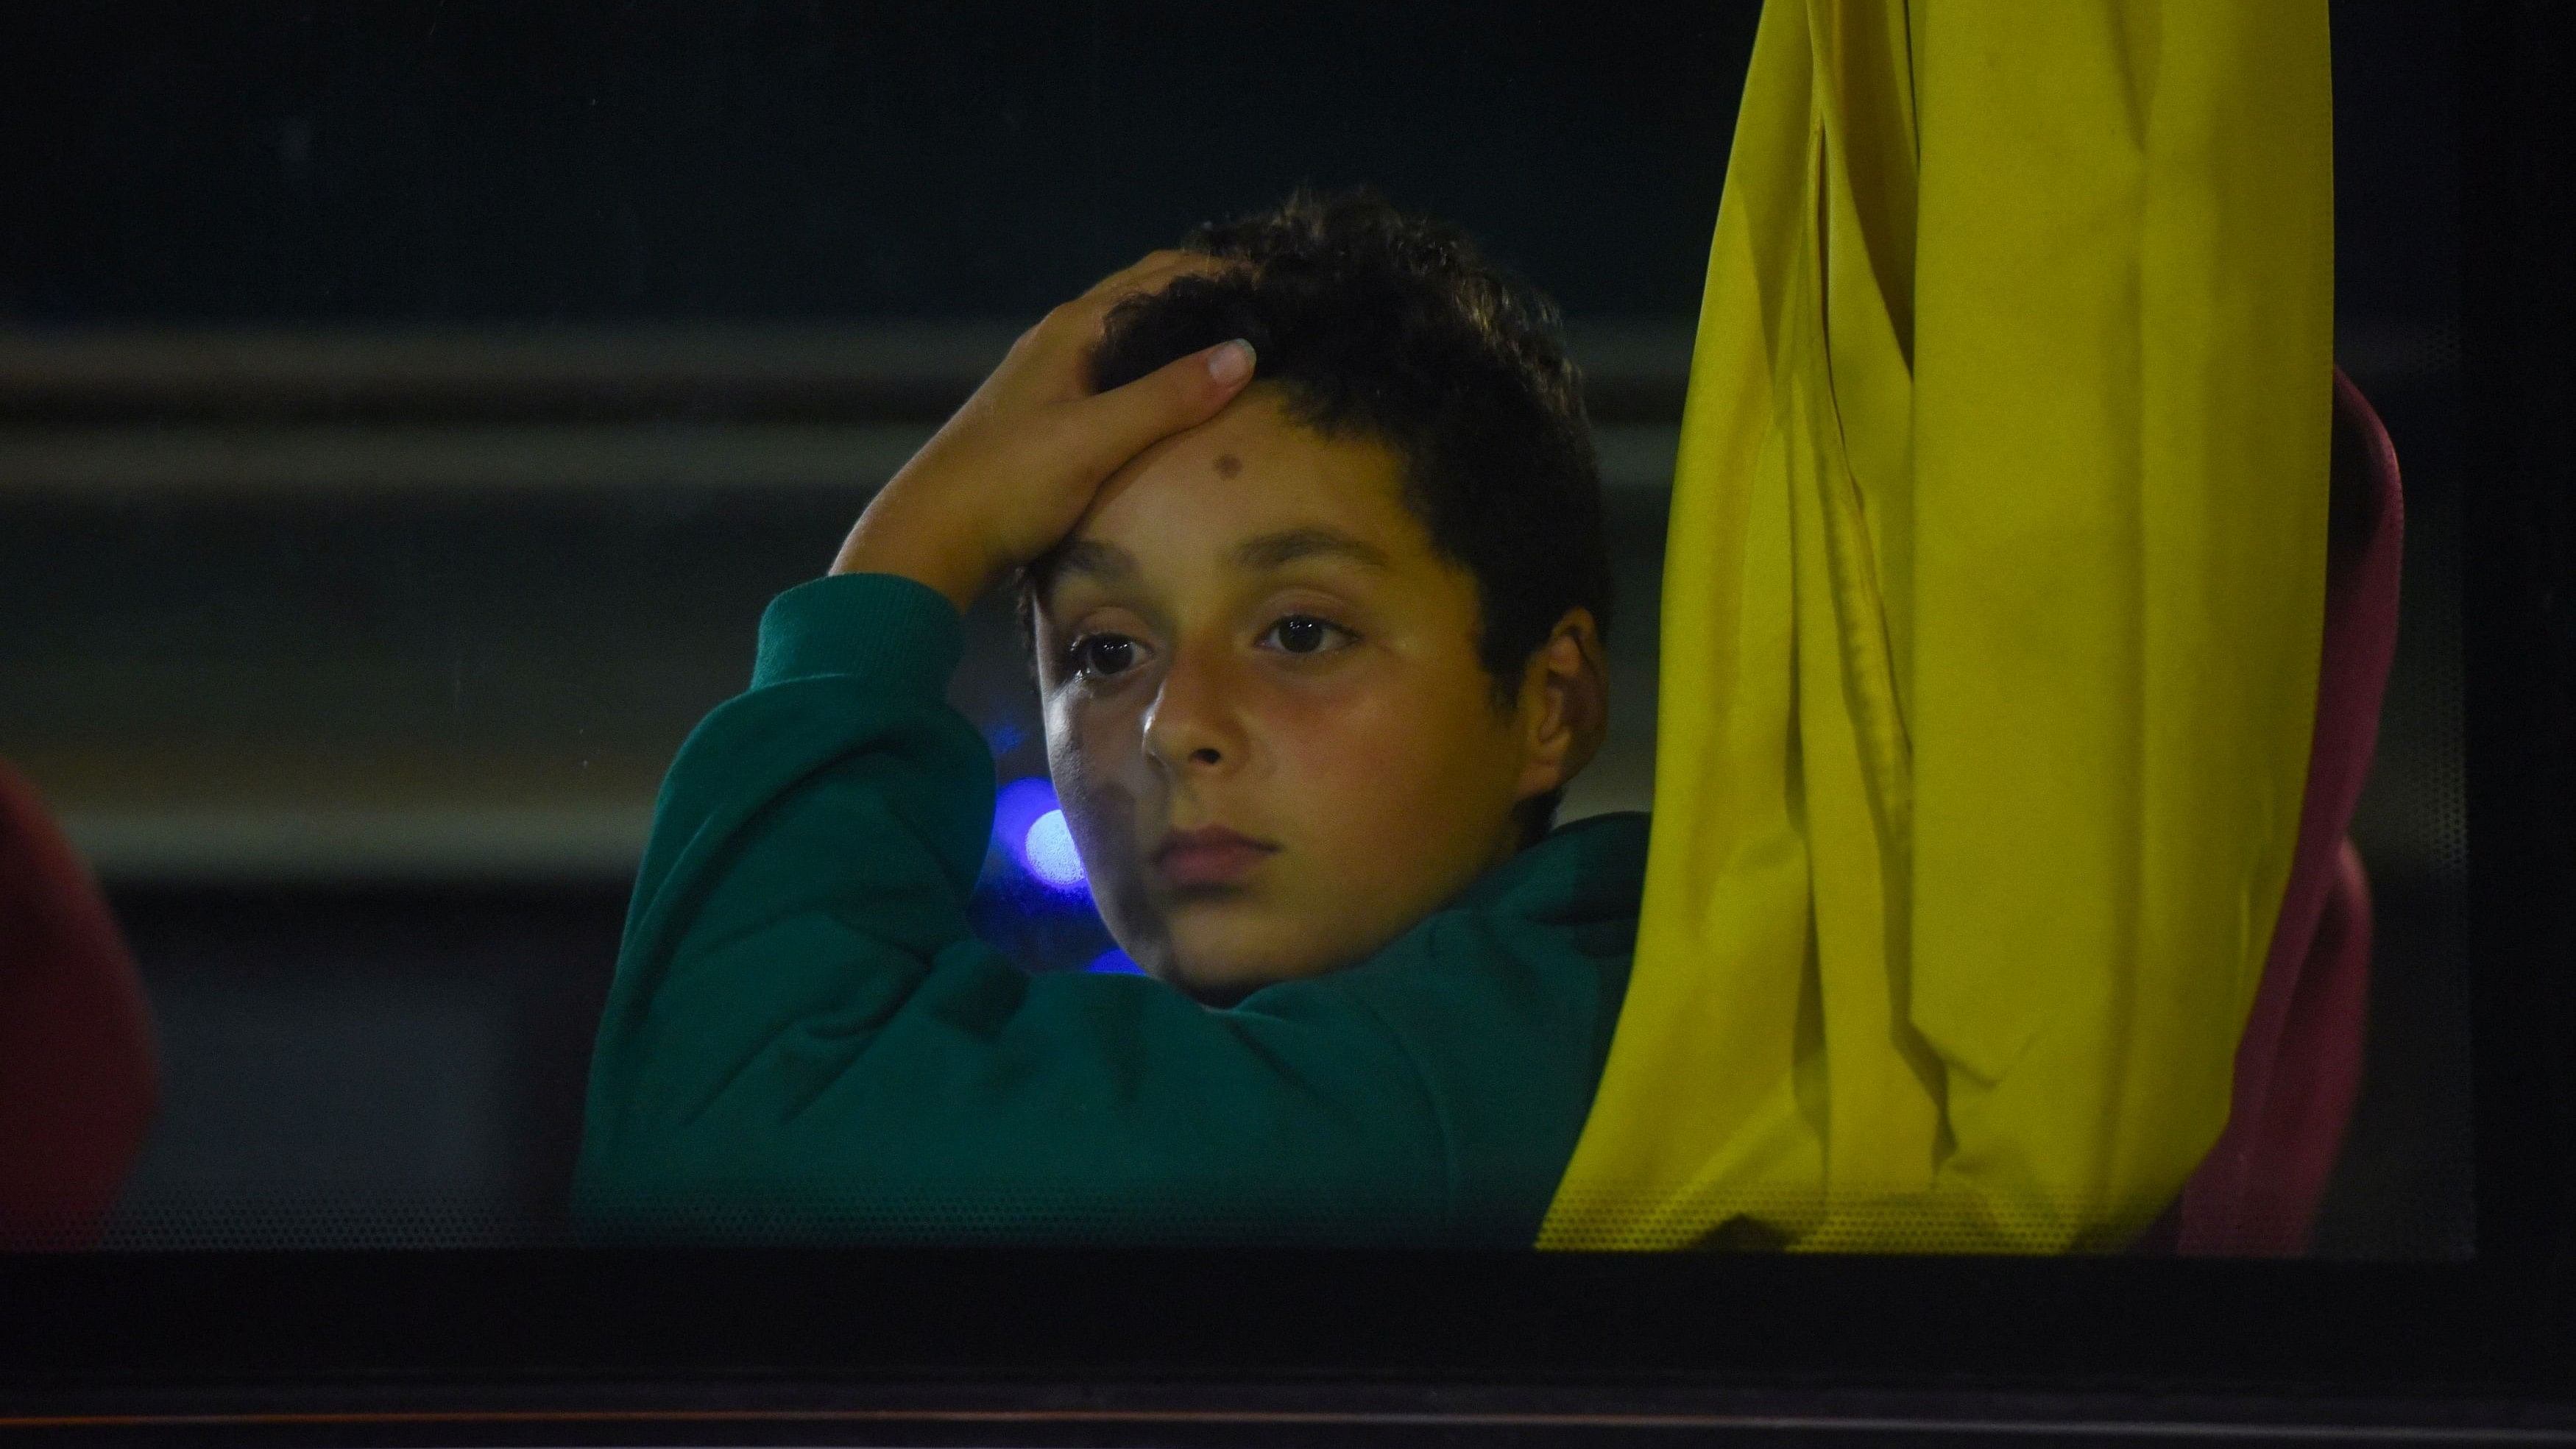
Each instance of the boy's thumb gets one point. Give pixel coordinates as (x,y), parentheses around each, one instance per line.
(1180,394)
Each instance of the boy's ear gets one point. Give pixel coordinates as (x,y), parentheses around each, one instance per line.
(1564,704)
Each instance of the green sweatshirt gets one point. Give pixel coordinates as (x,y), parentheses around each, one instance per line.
(806,1042)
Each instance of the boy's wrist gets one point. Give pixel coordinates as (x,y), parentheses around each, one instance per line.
(887,542)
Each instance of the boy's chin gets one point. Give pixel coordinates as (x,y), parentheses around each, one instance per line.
(1221,983)
(1221,993)
(1223,971)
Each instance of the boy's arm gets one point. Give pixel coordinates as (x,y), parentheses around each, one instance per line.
(805,1039)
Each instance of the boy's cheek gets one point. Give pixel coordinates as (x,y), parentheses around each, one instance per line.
(1112,799)
(1370,766)
(1102,809)
(1093,750)
(1394,821)
(1103,818)
(1359,832)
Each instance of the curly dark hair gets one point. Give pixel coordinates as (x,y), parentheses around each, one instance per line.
(1380,324)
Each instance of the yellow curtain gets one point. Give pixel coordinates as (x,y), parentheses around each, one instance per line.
(1990,628)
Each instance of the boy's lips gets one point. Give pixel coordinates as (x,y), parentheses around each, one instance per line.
(1209,856)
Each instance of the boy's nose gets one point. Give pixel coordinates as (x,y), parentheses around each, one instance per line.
(1190,725)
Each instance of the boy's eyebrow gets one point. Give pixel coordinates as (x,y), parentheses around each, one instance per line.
(1109,564)
(1275,550)
(1105,561)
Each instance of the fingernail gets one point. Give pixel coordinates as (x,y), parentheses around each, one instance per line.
(1231,363)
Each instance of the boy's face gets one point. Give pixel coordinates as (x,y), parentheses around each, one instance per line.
(1265,712)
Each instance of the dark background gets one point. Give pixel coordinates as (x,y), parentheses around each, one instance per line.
(568,163)
(368,1038)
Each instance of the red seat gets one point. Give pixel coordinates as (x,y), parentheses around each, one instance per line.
(2298,1068)
(77,1079)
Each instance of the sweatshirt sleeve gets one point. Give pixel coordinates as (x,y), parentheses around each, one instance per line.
(804,1039)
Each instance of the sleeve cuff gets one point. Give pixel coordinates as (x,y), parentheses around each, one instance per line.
(900,633)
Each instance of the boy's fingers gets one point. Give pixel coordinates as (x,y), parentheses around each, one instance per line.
(1124,421)
(1153,274)
(1077,324)
(1153,267)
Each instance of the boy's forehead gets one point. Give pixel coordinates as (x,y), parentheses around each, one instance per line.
(1249,491)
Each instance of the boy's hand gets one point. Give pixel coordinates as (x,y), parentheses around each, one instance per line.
(1006,478)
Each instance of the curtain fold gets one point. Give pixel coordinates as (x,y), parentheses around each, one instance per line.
(1991,610)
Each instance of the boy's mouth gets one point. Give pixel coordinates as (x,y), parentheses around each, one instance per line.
(1209,856)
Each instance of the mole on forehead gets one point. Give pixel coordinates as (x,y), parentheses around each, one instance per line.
(1227,465)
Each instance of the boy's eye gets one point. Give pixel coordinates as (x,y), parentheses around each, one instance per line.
(1304,634)
(1102,655)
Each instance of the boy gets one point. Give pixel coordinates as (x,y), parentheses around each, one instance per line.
(1308,534)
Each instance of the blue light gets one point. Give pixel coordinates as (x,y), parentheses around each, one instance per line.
(1030,829)
(1048,850)
(1114,962)
(1016,807)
